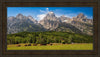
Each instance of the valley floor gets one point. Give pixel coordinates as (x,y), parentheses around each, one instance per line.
(75,46)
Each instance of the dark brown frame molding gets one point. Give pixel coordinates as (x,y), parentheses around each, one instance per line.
(49,4)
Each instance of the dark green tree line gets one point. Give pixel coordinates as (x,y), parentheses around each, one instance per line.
(48,37)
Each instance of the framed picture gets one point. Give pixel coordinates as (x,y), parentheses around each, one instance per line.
(45,28)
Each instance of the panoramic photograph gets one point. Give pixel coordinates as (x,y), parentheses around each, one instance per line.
(50,28)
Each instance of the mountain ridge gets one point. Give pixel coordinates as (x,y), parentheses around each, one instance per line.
(50,22)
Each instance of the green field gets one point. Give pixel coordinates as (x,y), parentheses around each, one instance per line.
(77,46)
(59,41)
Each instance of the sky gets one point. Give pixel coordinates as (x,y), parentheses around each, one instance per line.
(39,13)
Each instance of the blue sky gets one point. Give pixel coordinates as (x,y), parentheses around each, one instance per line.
(39,12)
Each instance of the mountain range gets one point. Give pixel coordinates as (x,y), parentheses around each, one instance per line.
(79,24)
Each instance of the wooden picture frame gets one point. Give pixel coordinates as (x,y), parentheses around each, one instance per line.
(6,4)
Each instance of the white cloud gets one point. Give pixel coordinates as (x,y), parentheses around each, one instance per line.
(41,16)
(47,9)
(42,11)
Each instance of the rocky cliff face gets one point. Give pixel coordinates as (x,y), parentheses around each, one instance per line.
(82,23)
(49,21)
(78,24)
(65,19)
(82,18)
(22,23)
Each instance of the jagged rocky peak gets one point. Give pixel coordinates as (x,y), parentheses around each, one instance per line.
(51,13)
(50,21)
(32,19)
(63,16)
(19,16)
(81,15)
(12,17)
(50,16)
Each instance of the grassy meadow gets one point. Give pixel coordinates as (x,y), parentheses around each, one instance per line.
(50,40)
(77,46)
